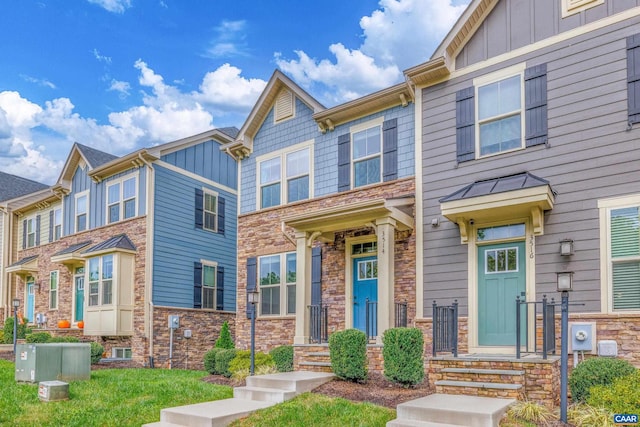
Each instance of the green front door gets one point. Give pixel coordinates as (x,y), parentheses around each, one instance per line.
(501,278)
(79,285)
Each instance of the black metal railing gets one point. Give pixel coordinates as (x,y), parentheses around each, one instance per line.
(371,319)
(318,331)
(445,328)
(401,314)
(548,314)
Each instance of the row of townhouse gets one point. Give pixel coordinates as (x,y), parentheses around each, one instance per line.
(456,185)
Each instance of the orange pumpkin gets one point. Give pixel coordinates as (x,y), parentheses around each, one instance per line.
(63,324)
(81,324)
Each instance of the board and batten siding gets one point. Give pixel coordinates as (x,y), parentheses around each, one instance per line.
(178,243)
(513,24)
(590,155)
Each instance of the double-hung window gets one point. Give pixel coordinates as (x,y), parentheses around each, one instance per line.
(82,210)
(101,280)
(208,286)
(277,279)
(53,290)
(285,177)
(31,232)
(367,159)
(622,238)
(57,224)
(500,114)
(121,199)
(210,211)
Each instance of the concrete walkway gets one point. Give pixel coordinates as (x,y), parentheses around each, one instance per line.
(260,392)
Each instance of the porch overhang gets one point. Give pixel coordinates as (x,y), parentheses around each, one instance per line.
(24,266)
(71,256)
(329,220)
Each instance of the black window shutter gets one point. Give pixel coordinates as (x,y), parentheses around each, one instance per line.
(24,234)
(344,162)
(535,105)
(633,78)
(220,288)
(37,230)
(316,276)
(252,278)
(465,125)
(221,214)
(390,150)
(50,226)
(199,213)
(197,285)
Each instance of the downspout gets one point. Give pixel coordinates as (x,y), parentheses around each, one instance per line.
(149,252)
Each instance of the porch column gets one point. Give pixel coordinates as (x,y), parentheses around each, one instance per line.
(386,274)
(303,287)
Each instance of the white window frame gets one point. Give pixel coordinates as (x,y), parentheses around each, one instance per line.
(605,207)
(53,291)
(214,288)
(57,226)
(284,179)
(101,281)
(498,76)
(121,200)
(370,124)
(123,351)
(570,7)
(75,211)
(283,286)
(31,224)
(206,192)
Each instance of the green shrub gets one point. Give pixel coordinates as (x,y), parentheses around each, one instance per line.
(225,341)
(96,352)
(348,353)
(1,336)
(243,373)
(23,330)
(210,360)
(223,358)
(596,371)
(283,358)
(64,339)
(39,337)
(243,361)
(402,355)
(621,397)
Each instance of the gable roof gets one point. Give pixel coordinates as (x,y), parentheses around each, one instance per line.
(80,153)
(12,186)
(94,157)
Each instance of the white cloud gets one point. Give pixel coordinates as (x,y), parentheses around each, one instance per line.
(39,82)
(116,6)
(230,40)
(101,58)
(120,87)
(225,88)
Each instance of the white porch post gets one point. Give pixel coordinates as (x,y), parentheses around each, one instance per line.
(386,274)
(303,288)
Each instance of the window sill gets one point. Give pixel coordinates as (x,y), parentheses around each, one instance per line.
(267,318)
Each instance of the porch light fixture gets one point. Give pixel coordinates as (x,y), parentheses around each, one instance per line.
(566,247)
(253,296)
(565,281)
(37,286)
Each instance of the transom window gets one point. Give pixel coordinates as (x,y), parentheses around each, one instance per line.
(625,257)
(500,106)
(502,260)
(57,223)
(101,280)
(121,200)
(210,211)
(364,248)
(277,276)
(366,157)
(53,290)
(81,212)
(285,177)
(500,232)
(367,269)
(208,286)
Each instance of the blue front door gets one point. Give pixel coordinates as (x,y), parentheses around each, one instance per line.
(31,300)
(79,284)
(365,287)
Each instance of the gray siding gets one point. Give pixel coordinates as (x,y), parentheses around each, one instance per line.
(513,24)
(590,156)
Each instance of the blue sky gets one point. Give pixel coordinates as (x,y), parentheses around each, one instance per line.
(119,75)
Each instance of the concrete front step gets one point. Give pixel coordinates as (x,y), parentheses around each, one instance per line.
(478,384)
(415,423)
(511,372)
(263,394)
(298,381)
(459,410)
(216,413)
(162,424)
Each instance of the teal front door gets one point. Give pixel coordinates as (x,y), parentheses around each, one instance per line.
(79,285)
(31,300)
(501,278)
(365,287)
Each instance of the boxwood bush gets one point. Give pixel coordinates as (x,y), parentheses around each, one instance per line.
(348,353)
(96,352)
(402,355)
(209,360)
(283,358)
(38,337)
(620,397)
(223,359)
(596,371)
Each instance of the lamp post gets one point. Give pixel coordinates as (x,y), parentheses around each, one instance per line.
(252,298)
(16,304)
(565,284)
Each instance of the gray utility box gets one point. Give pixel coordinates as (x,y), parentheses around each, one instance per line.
(53,361)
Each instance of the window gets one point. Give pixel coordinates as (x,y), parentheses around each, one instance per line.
(501,232)
(277,279)
(569,7)
(121,353)
(295,167)
(53,290)
(121,200)
(208,286)
(101,280)
(500,107)
(367,269)
(57,224)
(210,209)
(501,260)
(367,168)
(82,209)
(31,232)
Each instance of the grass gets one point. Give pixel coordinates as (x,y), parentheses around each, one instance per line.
(113,397)
(311,409)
